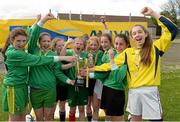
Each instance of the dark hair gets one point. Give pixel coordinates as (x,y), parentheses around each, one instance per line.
(125,38)
(146,49)
(17,32)
(6,45)
(44,34)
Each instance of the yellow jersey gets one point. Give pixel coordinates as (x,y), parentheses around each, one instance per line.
(139,75)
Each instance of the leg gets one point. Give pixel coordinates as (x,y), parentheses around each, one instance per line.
(62,111)
(13,117)
(81,113)
(96,106)
(72,113)
(49,114)
(136,117)
(88,108)
(39,114)
(20,117)
(117,118)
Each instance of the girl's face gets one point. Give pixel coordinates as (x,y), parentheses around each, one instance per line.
(105,43)
(19,42)
(120,44)
(139,36)
(93,45)
(59,45)
(45,42)
(79,46)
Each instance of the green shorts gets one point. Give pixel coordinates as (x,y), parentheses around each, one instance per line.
(77,97)
(14,99)
(43,98)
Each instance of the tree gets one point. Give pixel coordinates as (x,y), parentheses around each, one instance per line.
(171,9)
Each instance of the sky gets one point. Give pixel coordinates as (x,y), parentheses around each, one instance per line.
(10,9)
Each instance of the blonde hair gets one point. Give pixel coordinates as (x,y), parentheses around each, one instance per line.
(93,38)
(54,42)
(80,38)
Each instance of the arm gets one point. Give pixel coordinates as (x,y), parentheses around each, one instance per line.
(169,32)
(63,51)
(60,75)
(67,66)
(103,20)
(21,58)
(100,75)
(118,61)
(33,34)
(35,30)
(117,74)
(120,73)
(168,28)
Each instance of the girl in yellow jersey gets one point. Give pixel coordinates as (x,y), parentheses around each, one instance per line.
(143,73)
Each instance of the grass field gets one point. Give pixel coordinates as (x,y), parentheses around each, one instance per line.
(169,92)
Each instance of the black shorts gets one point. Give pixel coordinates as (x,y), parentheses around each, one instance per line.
(61,92)
(113,101)
(91,87)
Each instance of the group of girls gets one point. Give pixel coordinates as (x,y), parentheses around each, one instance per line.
(52,72)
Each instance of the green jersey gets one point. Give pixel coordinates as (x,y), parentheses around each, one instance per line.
(116,79)
(43,77)
(72,72)
(17,63)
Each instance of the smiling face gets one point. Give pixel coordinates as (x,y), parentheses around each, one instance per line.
(105,43)
(79,45)
(45,42)
(93,45)
(138,35)
(19,42)
(59,45)
(120,44)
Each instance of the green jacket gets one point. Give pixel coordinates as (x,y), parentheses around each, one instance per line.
(104,59)
(17,62)
(43,77)
(116,79)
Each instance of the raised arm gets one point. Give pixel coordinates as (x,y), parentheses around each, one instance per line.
(35,30)
(63,51)
(169,30)
(103,20)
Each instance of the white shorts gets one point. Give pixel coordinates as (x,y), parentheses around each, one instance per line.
(98,88)
(145,101)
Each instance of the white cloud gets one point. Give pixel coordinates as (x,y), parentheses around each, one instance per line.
(30,8)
